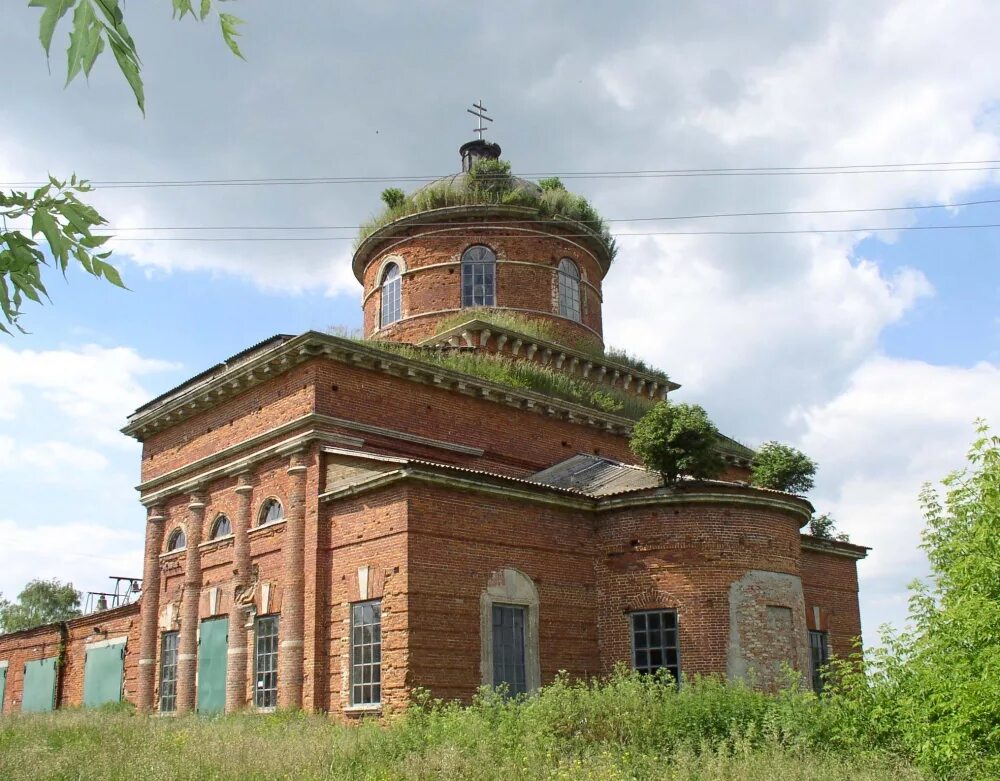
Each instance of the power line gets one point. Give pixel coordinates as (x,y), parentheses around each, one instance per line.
(782,232)
(620,219)
(875,168)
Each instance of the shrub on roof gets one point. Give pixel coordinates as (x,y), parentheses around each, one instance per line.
(782,468)
(676,439)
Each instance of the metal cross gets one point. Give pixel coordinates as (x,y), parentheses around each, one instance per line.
(481,113)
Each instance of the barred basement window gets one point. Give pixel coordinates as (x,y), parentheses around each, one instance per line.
(221,528)
(177,540)
(366,653)
(168,672)
(569,289)
(508,647)
(391,295)
(479,265)
(819,656)
(654,642)
(266,662)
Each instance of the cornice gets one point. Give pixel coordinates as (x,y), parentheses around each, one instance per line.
(189,401)
(834,547)
(555,354)
(390,234)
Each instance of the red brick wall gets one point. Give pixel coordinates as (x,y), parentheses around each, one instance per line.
(456,540)
(46,641)
(368,531)
(284,398)
(830,582)
(685,557)
(432,283)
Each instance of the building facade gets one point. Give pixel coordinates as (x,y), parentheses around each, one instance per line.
(333,522)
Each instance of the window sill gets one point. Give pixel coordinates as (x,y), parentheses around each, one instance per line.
(362,710)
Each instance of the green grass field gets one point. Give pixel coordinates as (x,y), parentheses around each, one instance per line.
(623,729)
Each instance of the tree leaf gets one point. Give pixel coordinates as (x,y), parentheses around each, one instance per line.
(130,70)
(229,24)
(43,222)
(206,6)
(54,11)
(85,27)
(109,272)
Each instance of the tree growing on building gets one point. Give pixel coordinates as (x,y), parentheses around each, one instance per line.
(676,439)
(782,468)
(40,602)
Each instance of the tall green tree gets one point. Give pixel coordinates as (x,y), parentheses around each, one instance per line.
(675,439)
(54,213)
(40,602)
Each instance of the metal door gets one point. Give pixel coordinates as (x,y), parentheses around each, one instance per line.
(213,644)
(39,693)
(103,671)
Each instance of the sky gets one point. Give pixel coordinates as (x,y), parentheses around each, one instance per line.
(874,351)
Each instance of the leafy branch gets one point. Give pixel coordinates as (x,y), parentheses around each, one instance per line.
(54,210)
(66,223)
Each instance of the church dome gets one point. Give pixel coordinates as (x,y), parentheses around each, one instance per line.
(461,182)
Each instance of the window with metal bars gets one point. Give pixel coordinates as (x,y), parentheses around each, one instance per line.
(508,647)
(266,662)
(479,266)
(819,656)
(366,652)
(655,642)
(391,295)
(569,289)
(168,671)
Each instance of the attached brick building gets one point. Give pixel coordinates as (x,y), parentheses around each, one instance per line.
(333,522)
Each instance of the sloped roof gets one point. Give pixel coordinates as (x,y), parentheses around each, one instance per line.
(597,476)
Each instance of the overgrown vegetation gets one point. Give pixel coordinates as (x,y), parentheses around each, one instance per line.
(627,727)
(675,439)
(546,330)
(782,468)
(490,183)
(824,527)
(519,374)
(40,602)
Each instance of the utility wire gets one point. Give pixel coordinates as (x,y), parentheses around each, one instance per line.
(476,229)
(875,168)
(620,219)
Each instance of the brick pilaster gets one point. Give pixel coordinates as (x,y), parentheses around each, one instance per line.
(236,667)
(150,608)
(291,629)
(187,646)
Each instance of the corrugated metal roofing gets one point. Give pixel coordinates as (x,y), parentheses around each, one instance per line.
(597,476)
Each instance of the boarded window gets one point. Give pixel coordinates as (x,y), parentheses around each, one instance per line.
(655,643)
(213,645)
(366,653)
(39,686)
(168,672)
(103,669)
(508,647)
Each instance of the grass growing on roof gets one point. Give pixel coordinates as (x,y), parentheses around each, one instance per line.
(519,374)
(541,329)
(490,183)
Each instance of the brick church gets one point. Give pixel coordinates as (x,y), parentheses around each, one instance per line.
(449,502)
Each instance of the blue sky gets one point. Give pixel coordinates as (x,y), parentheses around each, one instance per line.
(872,353)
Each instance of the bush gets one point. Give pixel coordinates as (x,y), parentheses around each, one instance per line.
(782,468)
(675,439)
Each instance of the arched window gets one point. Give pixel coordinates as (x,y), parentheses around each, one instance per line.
(509,632)
(270,512)
(176,540)
(221,528)
(479,266)
(569,289)
(391,289)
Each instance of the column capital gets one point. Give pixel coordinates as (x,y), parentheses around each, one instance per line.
(196,502)
(244,482)
(155,514)
(296,461)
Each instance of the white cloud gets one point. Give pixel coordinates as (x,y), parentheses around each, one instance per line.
(51,459)
(78,553)
(93,388)
(897,425)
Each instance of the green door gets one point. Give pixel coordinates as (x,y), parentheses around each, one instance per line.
(39,686)
(213,644)
(3,683)
(102,673)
